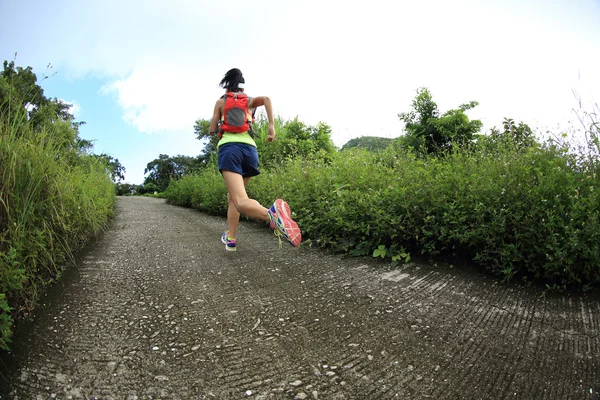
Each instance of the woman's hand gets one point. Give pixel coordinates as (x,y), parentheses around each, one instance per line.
(271,136)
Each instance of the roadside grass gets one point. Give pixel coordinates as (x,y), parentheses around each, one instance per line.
(52,199)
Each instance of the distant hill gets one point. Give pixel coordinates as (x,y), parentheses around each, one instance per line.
(371,143)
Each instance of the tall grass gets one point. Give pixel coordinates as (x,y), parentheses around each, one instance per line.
(52,199)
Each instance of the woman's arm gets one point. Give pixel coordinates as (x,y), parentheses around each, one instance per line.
(265,101)
(216,117)
(256,102)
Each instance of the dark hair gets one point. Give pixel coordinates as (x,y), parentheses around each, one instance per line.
(232,79)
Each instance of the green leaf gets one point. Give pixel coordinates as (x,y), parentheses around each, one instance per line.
(380,251)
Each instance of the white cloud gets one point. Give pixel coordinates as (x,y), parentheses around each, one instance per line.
(74,109)
(161,97)
(353,66)
(112,37)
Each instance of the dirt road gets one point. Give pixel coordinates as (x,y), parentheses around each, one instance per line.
(157,309)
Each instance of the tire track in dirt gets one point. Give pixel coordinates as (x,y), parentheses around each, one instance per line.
(475,350)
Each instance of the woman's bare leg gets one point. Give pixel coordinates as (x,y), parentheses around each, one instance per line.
(233,215)
(239,202)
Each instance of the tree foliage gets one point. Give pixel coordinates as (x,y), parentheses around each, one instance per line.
(520,136)
(20,95)
(294,139)
(429,132)
(23,100)
(166,168)
(113,167)
(201,127)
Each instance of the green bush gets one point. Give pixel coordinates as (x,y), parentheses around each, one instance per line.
(517,212)
(203,191)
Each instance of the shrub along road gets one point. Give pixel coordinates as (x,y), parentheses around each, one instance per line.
(156,308)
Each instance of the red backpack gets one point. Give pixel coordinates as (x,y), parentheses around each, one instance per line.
(236,118)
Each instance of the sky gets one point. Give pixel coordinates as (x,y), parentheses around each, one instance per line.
(141,72)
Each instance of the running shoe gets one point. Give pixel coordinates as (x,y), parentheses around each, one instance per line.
(229,243)
(281,219)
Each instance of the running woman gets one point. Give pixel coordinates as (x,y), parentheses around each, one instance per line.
(238,160)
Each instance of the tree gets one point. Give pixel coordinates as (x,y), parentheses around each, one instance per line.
(521,136)
(294,139)
(201,127)
(148,187)
(455,127)
(22,99)
(113,167)
(26,94)
(429,132)
(165,168)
